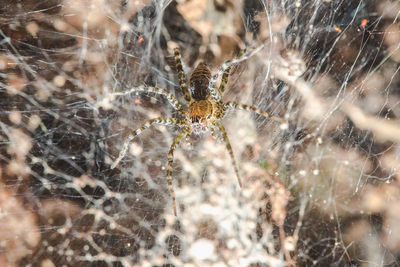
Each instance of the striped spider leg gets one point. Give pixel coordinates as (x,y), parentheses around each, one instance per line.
(178,139)
(182,134)
(234,105)
(225,70)
(222,130)
(182,76)
(133,134)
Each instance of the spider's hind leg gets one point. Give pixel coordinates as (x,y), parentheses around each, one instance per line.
(176,142)
(224,80)
(147,124)
(227,66)
(225,70)
(229,148)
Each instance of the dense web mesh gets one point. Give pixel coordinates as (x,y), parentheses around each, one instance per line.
(320,189)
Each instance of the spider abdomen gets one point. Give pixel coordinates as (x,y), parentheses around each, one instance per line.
(199,81)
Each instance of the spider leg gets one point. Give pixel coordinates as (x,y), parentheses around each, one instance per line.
(224,71)
(156,90)
(234,105)
(181,75)
(214,134)
(229,148)
(224,81)
(147,124)
(176,142)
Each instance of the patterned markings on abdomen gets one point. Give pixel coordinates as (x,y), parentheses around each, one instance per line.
(199,81)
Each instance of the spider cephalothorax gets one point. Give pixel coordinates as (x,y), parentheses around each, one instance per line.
(204,112)
(199,113)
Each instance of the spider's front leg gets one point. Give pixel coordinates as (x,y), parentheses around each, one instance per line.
(234,105)
(147,124)
(176,142)
(182,77)
(229,148)
(227,66)
(225,69)
(224,81)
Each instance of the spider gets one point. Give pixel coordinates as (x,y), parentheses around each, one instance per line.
(203,113)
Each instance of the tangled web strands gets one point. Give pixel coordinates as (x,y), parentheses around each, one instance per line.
(319,188)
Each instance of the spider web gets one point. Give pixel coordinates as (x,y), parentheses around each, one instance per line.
(318,190)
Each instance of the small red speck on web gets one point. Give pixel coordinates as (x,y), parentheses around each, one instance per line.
(137,101)
(140,40)
(364,23)
(79,40)
(337,29)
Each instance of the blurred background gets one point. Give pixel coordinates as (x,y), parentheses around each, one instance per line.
(321,189)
